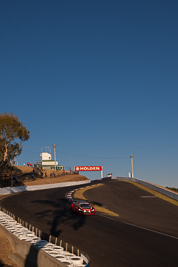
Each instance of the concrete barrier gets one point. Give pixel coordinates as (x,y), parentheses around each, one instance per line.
(157,188)
(16,189)
(31,248)
(25,254)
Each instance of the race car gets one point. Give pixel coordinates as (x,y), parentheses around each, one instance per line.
(73,203)
(82,207)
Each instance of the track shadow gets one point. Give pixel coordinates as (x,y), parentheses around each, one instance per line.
(2,264)
(58,213)
(33,254)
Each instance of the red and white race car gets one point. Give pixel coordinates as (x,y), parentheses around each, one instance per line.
(82,207)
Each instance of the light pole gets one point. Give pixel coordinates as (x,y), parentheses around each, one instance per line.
(55,155)
(132,166)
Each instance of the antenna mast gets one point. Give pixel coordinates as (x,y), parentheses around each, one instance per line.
(54,145)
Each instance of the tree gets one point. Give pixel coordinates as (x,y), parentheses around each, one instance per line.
(12,134)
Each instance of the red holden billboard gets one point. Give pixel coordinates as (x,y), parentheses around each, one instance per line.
(88,168)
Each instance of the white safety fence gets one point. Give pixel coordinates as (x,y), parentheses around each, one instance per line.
(157,188)
(10,190)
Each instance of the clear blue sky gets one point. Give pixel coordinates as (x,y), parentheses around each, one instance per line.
(97,78)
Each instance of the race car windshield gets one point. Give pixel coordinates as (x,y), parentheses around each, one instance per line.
(85,206)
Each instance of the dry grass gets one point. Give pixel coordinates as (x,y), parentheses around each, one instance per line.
(5,250)
(54,180)
(24,175)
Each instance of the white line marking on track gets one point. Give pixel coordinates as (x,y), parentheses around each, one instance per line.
(110,218)
(148,196)
(152,230)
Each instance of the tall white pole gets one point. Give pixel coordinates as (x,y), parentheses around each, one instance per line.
(102,173)
(55,155)
(132,166)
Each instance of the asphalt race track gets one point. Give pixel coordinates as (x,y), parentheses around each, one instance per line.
(144,234)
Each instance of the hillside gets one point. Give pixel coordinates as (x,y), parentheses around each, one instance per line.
(24,176)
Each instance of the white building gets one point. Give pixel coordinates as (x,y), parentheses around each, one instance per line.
(47,163)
